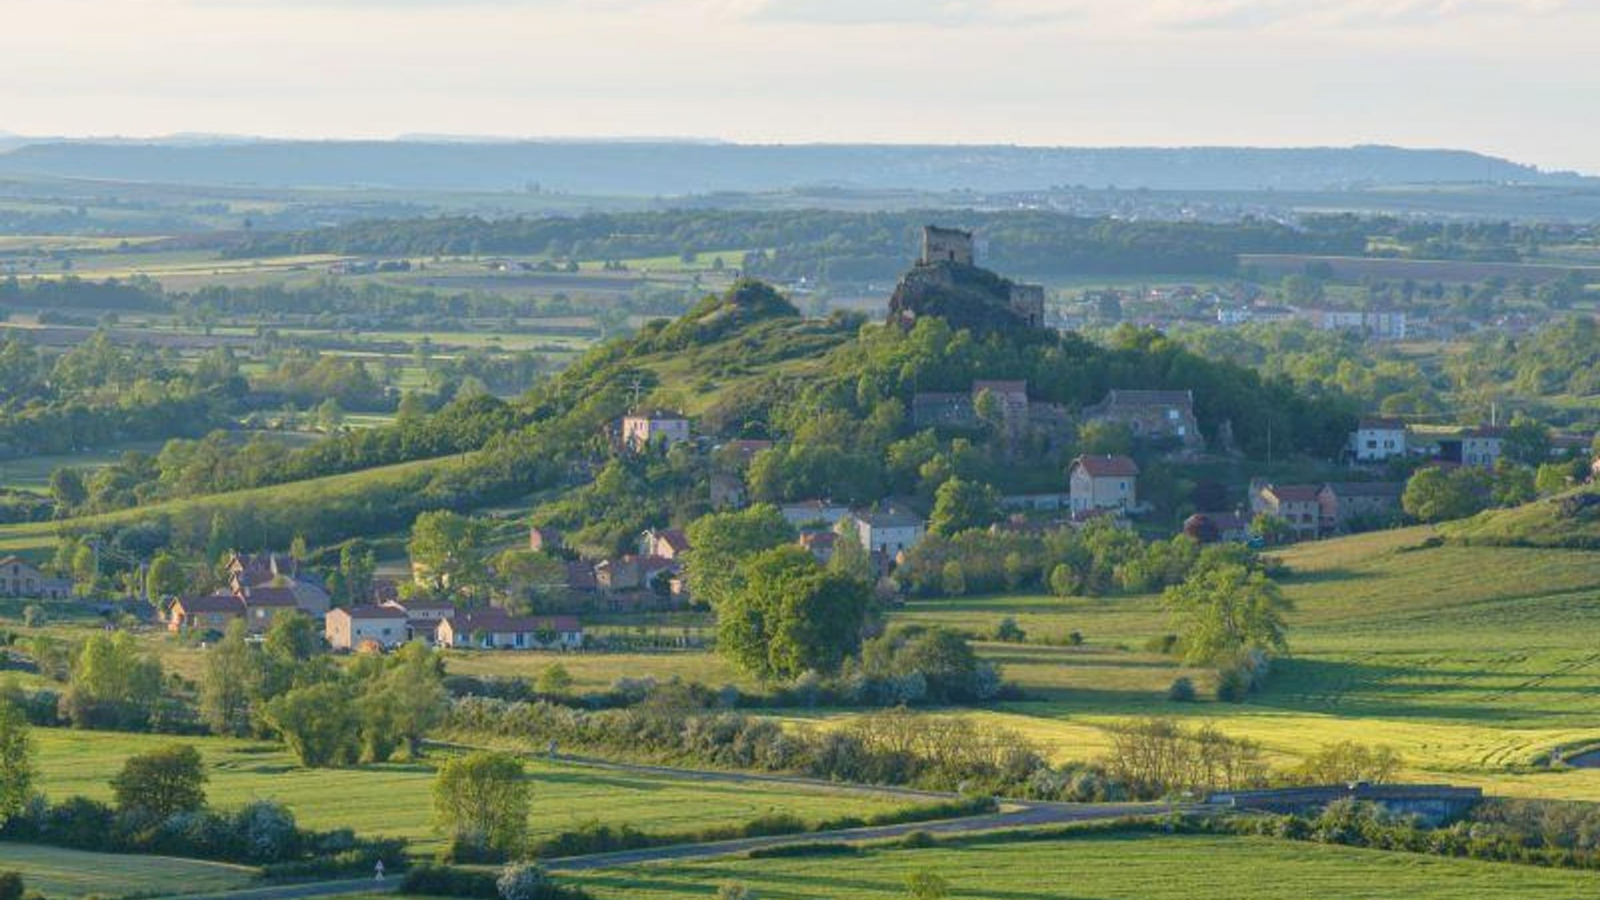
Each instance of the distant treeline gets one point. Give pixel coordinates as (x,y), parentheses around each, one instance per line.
(828,245)
(325,298)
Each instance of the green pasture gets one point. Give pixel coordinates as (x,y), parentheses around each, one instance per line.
(58,873)
(1105,867)
(395,798)
(1474,662)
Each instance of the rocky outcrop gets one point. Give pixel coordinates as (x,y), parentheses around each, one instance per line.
(965,296)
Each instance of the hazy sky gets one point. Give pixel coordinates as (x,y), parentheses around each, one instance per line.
(1520,78)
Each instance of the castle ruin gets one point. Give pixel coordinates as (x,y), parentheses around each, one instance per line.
(945,245)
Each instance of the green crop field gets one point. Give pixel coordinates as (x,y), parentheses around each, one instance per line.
(55,873)
(1474,662)
(1109,867)
(396,799)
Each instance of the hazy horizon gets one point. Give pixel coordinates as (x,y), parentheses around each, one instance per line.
(1501,77)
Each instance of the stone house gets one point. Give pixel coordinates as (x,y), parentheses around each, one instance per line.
(667,543)
(1151,415)
(1343,504)
(1296,504)
(1103,483)
(645,429)
(1214,527)
(348,629)
(205,614)
(19,579)
(543,539)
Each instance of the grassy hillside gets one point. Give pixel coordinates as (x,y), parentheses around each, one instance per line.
(1569,520)
(1114,867)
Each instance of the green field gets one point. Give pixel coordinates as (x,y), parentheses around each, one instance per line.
(395,799)
(1472,661)
(56,872)
(1115,867)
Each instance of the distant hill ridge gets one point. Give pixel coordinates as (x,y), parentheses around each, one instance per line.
(670,168)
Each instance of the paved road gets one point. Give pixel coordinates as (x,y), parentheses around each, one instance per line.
(1022,816)
(302,891)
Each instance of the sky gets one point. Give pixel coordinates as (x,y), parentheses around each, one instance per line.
(1516,78)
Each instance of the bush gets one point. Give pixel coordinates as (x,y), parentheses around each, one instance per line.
(523,881)
(926,885)
(11,886)
(1075,639)
(733,890)
(918,840)
(1181,690)
(1233,685)
(1008,631)
(448,881)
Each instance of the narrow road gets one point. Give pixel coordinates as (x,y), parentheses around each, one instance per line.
(1022,816)
(302,891)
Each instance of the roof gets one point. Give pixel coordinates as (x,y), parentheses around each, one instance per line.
(1366,488)
(420,603)
(673,538)
(500,621)
(580,575)
(1107,466)
(941,229)
(215,603)
(1382,423)
(1294,493)
(371,612)
(1488,432)
(17,560)
(889,519)
(1119,397)
(271,596)
(1222,521)
(657,415)
(822,539)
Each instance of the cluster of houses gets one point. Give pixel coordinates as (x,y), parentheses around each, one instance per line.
(260,588)
(263,587)
(1320,510)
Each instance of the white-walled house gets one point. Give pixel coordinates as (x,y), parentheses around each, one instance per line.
(348,629)
(887,533)
(1104,482)
(494,629)
(1376,440)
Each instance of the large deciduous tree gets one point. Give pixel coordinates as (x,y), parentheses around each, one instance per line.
(161,782)
(1225,611)
(449,548)
(789,616)
(482,801)
(720,541)
(16,761)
